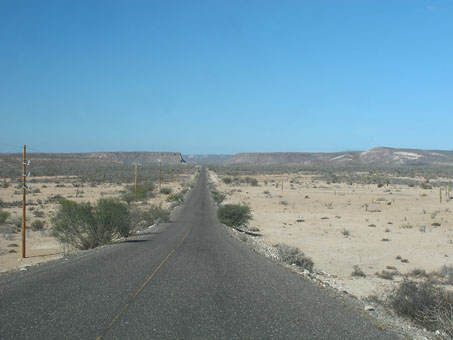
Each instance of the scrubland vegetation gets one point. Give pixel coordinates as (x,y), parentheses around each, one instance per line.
(90,203)
(369,230)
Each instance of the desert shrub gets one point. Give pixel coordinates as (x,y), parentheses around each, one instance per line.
(3,216)
(55,199)
(345,232)
(111,217)
(227,180)
(38,213)
(447,273)
(165,191)
(386,275)
(13,204)
(85,226)
(37,225)
(293,255)
(234,215)
(128,197)
(157,214)
(72,224)
(5,184)
(418,272)
(175,198)
(358,272)
(144,191)
(252,181)
(424,303)
(218,197)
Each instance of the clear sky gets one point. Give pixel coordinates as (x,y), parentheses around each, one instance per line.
(225,76)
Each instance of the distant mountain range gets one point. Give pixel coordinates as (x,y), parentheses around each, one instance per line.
(377,156)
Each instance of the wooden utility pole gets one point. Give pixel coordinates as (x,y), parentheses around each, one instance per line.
(136,173)
(24,199)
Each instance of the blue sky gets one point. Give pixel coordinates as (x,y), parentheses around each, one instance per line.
(225,76)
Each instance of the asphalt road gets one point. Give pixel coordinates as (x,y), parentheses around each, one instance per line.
(186,280)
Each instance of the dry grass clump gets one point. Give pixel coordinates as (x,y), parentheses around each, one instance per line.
(387,275)
(358,272)
(293,255)
(426,304)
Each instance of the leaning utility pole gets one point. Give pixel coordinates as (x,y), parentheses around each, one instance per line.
(24,199)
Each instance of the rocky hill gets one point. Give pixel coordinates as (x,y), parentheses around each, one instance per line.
(376,156)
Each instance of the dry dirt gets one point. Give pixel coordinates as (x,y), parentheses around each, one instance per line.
(40,246)
(387,226)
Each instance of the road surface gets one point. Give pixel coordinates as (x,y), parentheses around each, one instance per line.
(186,280)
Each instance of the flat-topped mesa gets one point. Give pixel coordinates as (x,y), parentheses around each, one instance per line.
(118,157)
(141,157)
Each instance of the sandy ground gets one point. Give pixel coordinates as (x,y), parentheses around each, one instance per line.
(385,225)
(40,246)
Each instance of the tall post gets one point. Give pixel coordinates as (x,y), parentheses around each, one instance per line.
(136,176)
(160,174)
(24,199)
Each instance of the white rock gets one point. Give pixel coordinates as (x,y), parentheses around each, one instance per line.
(369,308)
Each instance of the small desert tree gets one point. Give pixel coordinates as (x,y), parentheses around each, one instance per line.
(234,215)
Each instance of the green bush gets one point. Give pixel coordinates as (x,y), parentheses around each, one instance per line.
(4,183)
(85,226)
(227,180)
(55,199)
(111,216)
(37,225)
(234,215)
(218,197)
(3,216)
(252,181)
(165,191)
(175,198)
(144,191)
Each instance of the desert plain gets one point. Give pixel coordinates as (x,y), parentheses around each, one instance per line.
(386,233)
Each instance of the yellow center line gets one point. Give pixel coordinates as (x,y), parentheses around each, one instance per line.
(117,316)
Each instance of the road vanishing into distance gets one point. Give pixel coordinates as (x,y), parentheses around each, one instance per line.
(185,280)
